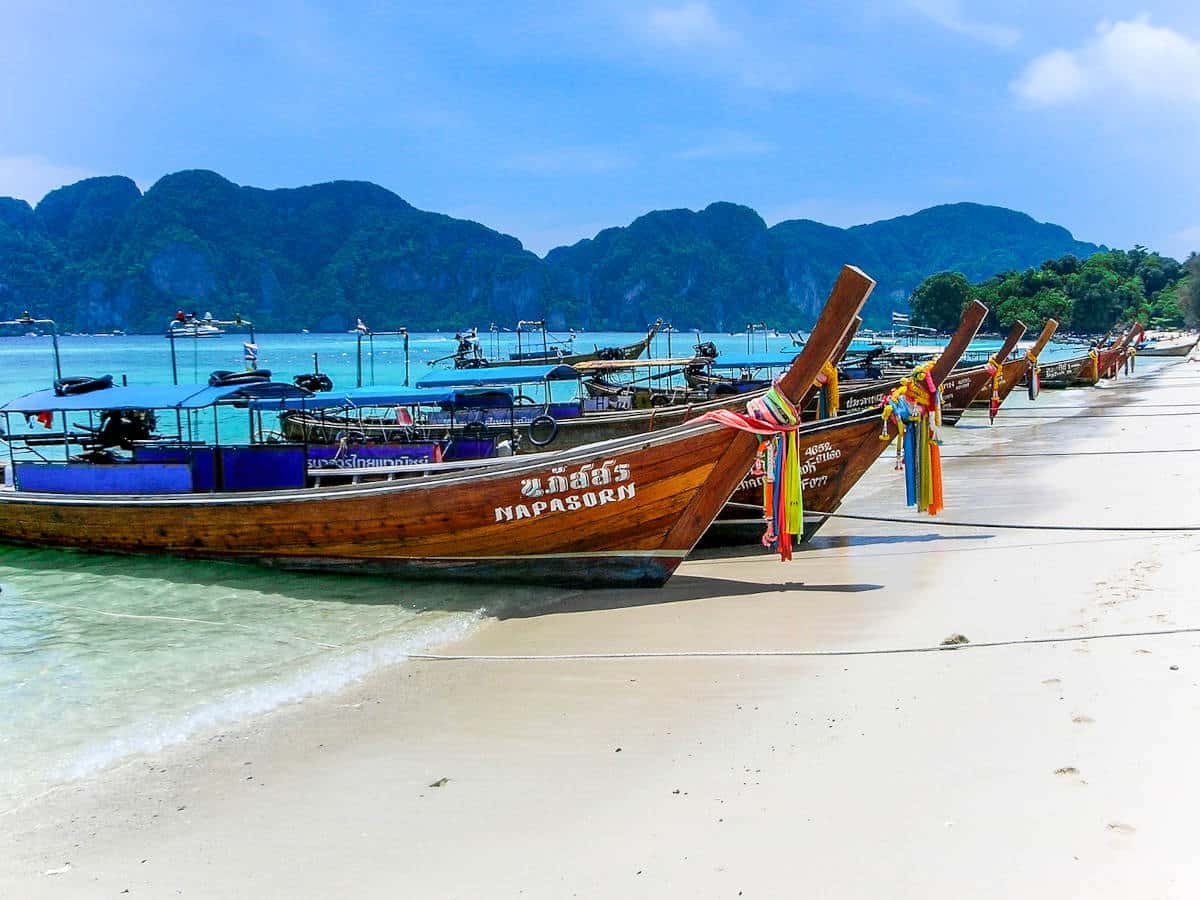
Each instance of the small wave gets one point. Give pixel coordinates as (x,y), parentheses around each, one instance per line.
(319,675)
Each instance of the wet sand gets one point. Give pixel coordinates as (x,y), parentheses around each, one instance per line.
(1036,768)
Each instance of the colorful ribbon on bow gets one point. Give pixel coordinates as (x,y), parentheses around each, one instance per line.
(829,397)
(993,369)
(1094,356)
(773,415)
(915,407)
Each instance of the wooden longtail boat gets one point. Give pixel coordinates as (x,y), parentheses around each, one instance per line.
(1085,370)
(464,360)
(1182,346)
(959,389)
(624,512)
(1014,371)
(836,452)
(1111,363)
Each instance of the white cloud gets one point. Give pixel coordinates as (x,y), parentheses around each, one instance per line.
(1132,59)
(568,161)
(727,145)
(948,14)
(31,178)
(690,25)
(693,32)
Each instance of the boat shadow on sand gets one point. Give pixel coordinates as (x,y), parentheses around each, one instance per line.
(680,589)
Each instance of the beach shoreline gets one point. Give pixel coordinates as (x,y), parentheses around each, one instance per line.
(869,773)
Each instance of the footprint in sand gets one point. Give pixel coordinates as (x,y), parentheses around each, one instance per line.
(1052,681)
(1121,828)
(1067,770)
(1081,719)
(1143,652)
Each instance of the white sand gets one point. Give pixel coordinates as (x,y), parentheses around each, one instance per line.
(1033,770)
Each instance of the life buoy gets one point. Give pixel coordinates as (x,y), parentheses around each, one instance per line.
(543,422)
(81,384)
(225,377)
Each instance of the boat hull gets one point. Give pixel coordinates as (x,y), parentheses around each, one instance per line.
(630,503)
(1074,372)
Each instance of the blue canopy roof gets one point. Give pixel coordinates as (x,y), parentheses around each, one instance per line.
(379,395)
(755,360)
(147,396)
(496,375)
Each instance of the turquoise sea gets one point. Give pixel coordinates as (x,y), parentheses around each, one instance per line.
(105,657)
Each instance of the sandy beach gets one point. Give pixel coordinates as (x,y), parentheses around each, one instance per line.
(754,729)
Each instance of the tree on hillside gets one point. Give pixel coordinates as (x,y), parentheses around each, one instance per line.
(1090,295)
(1189,291)
(938,300)
(1047,303)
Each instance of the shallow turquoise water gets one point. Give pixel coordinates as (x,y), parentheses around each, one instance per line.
(102,657)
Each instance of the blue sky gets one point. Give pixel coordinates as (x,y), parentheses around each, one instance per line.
(551,121)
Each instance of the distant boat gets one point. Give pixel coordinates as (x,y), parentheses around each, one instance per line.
(1168,345)
(193,329)
(304,331)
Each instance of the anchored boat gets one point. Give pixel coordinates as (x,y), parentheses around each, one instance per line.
(470,355)
(625,511)
(1179,345)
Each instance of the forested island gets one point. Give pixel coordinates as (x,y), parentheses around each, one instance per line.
(101,254)
(1086,296)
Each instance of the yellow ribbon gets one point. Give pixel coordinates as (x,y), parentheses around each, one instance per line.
(828,380)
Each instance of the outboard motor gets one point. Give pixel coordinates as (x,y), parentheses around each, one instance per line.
(317,382)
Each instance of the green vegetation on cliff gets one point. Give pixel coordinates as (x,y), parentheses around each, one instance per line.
(1087,296)
(100,254)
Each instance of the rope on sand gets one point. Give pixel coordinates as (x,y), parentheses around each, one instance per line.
(706,654)
(1003,525)
(1085,416)
(1065,453)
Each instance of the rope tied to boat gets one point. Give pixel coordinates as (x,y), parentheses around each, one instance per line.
(775,417)
(1035,375)
(915,408)
(993,369)
(829,399)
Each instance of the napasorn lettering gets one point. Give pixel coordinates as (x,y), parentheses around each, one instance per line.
(568,503)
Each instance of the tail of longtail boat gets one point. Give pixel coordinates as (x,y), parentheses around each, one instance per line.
(912,415)
(776,415)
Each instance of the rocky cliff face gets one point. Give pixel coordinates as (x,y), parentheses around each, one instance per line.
(100,254)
